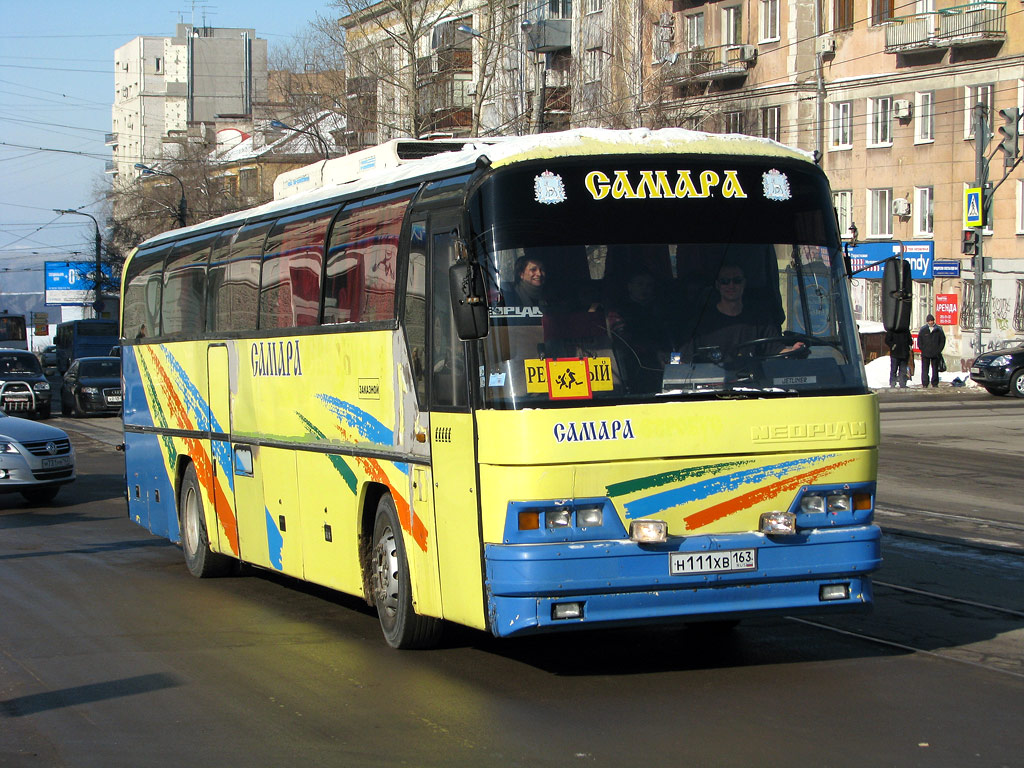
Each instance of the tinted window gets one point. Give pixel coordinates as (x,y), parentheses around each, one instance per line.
(100,368)
(185,286)
(88,328)
(362,260)
(218,309)
(238,296)
(290,284)
(144,281)
(12,364)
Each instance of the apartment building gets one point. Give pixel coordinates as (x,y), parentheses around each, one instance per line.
(883,93)
(166,86)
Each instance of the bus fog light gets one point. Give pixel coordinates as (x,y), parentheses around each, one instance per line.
(567,611)
(828,592)
(812,504)
(589,516)
(558,518)
(839,502)
(648,531)
(778,523)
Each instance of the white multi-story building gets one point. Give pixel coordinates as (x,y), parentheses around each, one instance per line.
(165,86)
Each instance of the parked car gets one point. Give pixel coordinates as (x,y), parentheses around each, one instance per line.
(23,386)
(1000,371)
(48,356)
(92,385)
(35,459)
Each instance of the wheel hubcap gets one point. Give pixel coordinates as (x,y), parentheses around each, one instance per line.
(385,572)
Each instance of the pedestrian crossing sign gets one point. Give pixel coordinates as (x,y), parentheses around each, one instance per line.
(973,212)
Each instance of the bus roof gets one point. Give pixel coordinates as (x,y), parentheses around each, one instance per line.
(502,151)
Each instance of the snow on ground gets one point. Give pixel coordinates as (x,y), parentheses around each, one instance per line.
(878,374)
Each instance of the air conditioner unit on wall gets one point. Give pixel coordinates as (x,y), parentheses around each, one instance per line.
(900,207)
(826,45)
(902,108)
(747,53)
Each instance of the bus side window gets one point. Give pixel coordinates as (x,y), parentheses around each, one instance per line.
(217,310)
(292,263)
(184,293)
(144,279)
(447,359)
(238,301)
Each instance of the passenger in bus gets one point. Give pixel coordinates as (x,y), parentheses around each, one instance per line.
(729,325)
(640,325)
(528,289)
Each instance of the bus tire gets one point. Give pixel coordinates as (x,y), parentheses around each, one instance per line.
(392,591)
(202,562)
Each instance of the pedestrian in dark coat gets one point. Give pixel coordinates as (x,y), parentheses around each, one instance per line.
(931,341)
(899,344)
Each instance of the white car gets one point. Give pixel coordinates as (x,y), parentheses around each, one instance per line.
(35,459)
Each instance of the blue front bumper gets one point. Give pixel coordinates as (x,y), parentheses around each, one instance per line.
(622,582)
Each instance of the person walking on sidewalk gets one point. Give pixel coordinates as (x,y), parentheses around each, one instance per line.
(931,341)
(899,344)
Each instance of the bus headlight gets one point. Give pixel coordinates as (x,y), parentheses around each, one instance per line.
(778,523)
(648,531)
(589,516)
(558,518)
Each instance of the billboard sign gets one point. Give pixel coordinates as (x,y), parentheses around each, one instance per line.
(72,283)
(920,255)
(947,309)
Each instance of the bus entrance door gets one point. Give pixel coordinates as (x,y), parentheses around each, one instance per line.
(223,535)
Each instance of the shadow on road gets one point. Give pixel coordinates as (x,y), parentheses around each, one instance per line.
(85,694)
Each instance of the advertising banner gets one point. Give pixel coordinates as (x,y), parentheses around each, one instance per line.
(947,308)
(920,254)
(72,282)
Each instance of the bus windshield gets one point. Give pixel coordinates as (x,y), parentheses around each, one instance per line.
(718,310)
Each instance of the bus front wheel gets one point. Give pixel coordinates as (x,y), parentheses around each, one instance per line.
(392,592)
(202,562)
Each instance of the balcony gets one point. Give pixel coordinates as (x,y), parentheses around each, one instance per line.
(110,139)
(957,27)
(110,167)
(705,65)
(548,35)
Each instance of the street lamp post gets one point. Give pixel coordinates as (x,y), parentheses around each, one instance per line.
(98,304)
(182,207)
(315,135)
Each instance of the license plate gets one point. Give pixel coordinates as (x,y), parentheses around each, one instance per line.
(59,461)
(975,370)
(727,561)
(114,399)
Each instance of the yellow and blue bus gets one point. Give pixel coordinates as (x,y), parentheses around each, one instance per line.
(571,380)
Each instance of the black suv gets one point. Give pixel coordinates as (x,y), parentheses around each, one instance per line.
(24,390)
(1001,371)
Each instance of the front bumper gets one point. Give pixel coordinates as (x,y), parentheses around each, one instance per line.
(525,581)
(991,377)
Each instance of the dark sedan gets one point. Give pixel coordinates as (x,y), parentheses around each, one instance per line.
(92,385)
(1001,371)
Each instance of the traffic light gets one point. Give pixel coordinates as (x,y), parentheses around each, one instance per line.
(969,244)
(1009,145)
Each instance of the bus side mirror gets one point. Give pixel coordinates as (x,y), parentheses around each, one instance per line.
(897,295)
(469,299)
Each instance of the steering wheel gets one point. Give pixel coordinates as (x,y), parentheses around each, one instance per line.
(786,339)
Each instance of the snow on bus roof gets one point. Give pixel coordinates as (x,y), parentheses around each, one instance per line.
(502,151)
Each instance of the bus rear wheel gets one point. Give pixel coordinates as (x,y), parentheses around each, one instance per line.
(392,591)
(202,562)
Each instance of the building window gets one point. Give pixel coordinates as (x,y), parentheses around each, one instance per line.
(881,11)
(595,6)
(969,308)
(841,125)
(924,211)
(156,65)
(880,122)
(592,65)
(924,117)
(695,31)
(769,20)
(843,202)
(842,15)
(732,25)
(770,123)
(734,122)
(975,94)
(559,9)
(880,213)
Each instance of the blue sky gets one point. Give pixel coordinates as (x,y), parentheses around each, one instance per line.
(56,90)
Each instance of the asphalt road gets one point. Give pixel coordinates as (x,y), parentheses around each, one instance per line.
(112,655)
